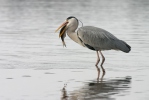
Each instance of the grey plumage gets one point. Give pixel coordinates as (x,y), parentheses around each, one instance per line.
(92,37)
(100,39)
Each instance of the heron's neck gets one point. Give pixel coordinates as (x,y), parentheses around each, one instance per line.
(73,35)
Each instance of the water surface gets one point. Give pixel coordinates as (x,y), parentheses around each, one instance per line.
(28,41)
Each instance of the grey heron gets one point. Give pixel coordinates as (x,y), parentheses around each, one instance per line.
(93,38)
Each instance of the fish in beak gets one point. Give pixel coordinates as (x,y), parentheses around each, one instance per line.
(62,33)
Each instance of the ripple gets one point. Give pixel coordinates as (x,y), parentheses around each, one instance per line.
(9,78)
(48,73)
(26,76)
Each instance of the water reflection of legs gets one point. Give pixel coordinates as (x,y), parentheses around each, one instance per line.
(98,70)
(103,74)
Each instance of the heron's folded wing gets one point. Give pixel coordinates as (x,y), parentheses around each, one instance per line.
(97,37)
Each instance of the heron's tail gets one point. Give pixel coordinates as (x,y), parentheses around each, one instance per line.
(123,46)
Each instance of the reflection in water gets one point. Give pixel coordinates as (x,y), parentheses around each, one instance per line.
(64,93)
(98,70)
(102,89)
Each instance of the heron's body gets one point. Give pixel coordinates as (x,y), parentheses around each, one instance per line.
(104,39)
(92,37)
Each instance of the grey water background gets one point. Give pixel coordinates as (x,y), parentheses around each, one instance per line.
(28,39)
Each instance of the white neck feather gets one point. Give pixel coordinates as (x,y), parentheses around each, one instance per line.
(74,36)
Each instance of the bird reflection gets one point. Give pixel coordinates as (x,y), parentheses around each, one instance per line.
(101,89)
(98,70)
(104,89)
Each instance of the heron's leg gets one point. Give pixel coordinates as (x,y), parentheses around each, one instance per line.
(103,70)
(98,70)
(98,59)
(103,58)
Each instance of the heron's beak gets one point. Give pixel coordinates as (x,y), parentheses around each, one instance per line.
(63,26)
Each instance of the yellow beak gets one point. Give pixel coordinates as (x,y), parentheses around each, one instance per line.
(63,31)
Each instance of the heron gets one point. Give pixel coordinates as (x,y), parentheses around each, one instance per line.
(91,37)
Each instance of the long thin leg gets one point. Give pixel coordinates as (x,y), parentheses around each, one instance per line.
(98,70)
(98,59)
(103,58)
(103,70)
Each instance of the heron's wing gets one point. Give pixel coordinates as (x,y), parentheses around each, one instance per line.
(98,39)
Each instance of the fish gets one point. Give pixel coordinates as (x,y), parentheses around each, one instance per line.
(63,36)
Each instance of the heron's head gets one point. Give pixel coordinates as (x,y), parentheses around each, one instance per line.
(70,23)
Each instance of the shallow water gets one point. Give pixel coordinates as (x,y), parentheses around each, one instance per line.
(28,41)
